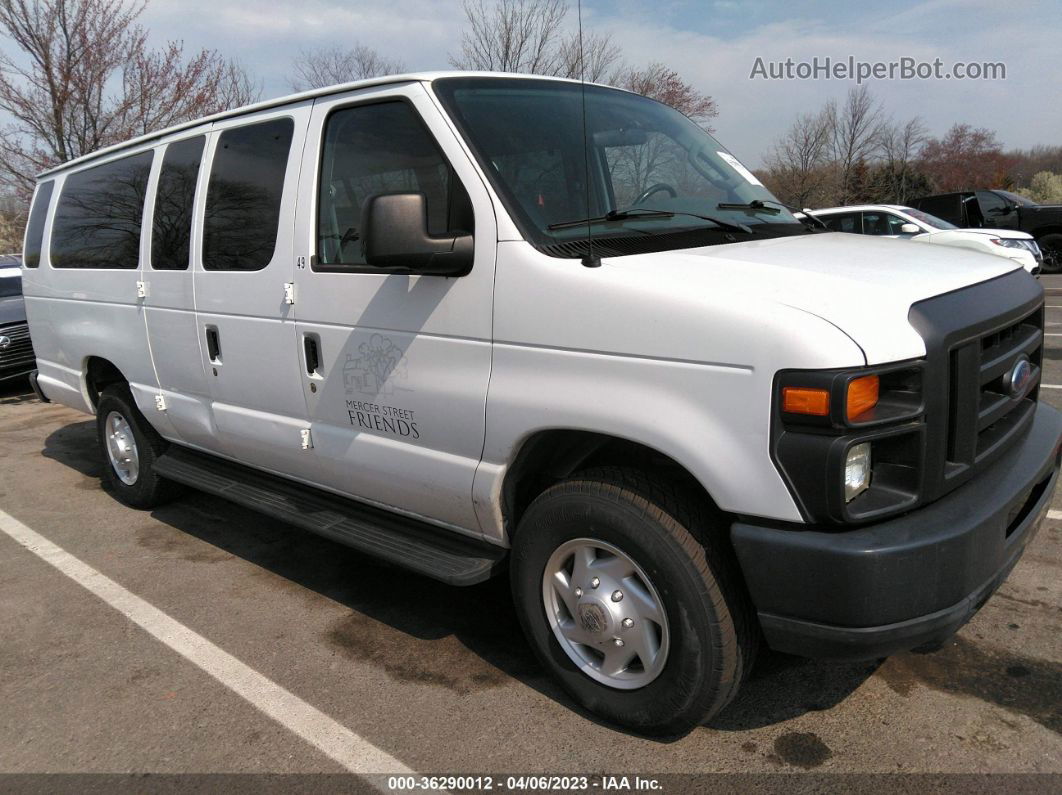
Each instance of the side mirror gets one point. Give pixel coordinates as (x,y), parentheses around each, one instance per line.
(395,236)
(910,229)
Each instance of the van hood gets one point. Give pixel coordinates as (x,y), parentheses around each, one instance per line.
(863,286)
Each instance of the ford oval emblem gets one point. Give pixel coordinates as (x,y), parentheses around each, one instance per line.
(1017,380)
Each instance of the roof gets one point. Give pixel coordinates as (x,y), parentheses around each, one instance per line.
(409,77)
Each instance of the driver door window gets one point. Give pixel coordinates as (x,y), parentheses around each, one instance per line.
(992,204)
(882,224)
(376,149)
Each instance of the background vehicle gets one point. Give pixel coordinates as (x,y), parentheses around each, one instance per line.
(462,320)
(1000,209)
(16,350)
(890,220)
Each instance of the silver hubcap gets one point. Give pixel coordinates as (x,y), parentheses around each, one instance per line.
(605,613)
(121,448)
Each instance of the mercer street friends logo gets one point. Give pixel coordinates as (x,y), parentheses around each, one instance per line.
(373,370)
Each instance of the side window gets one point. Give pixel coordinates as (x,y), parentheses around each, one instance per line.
(31,251)
(374,149)
(879,223)
(97,222)
(171,231)
(992,204)
(842,222)
(243,197)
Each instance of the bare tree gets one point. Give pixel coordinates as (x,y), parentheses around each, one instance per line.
(799,167)
(512,36)
(333,65)
(593,60)
(965,158)
(856,135)
(666,85)
(529,36)
(900,144)
(85,78)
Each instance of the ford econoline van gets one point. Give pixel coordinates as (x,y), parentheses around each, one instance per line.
(491,325)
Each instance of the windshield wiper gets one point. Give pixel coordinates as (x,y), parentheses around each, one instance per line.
(760,204)
(638,212)
(613,215)
(755,204)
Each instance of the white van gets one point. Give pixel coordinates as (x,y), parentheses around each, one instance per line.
(427,317)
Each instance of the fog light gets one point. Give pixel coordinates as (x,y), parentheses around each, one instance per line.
(856,471)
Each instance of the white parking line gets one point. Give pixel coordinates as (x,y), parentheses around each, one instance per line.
(322,732)
(1050,386)
(1054,514)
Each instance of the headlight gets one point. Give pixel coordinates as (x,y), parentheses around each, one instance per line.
(856,471)
(1010,242)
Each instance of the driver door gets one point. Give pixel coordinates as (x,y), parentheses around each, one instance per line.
(394,367)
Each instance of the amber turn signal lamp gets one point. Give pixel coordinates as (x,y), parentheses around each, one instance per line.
(801,400)
(862,395)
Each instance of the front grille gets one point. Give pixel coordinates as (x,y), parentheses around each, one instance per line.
(985,412)
(18,355)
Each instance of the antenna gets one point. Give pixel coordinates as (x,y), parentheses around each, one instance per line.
(590,260)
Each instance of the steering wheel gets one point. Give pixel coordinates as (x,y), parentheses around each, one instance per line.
(645,194)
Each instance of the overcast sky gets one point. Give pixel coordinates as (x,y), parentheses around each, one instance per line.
(711,43)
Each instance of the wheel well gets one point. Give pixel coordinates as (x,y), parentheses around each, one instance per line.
(550,456)
(100,374)
(1047,230)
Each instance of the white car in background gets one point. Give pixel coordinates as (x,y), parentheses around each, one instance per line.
(890,220)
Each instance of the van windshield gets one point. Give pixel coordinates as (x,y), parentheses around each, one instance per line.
(638,154)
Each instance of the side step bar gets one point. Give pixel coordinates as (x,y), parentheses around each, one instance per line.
(417,546)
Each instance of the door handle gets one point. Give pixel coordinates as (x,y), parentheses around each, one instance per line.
(312,354)
(213,345)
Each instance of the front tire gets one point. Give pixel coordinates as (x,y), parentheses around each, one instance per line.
(1051,246)
(631,600)
(129,447)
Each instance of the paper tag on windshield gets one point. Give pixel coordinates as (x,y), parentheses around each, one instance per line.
(736,165)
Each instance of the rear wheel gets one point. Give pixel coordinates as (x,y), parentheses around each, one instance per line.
(130,447)
(631,600)
(1051,246)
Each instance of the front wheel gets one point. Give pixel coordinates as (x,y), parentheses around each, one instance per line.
(641,622)
(1051,246)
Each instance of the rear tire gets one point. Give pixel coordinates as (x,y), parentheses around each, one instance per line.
(706,627)
(129,447)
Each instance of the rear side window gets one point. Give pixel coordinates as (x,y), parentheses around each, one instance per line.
(97,223)
(171,231)
(31,252)
(374,149)
(843,222)
(243,198)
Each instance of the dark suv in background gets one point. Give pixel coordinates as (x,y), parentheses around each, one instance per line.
(16,351)
(1001,209)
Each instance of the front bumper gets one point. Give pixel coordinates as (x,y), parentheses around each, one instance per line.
(37,387)
(907,582)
